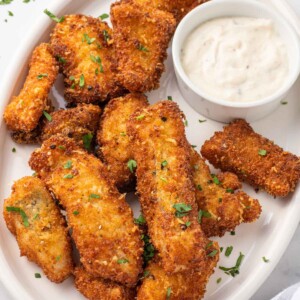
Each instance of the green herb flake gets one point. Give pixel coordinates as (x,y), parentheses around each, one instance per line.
(140,117)
(170,98)
(68,176)
(283,102)
(58,258)
(13,150)
(10,13)
(265,259)
(72,78)
(208,245)
(215,179)
(228,251)
(94,196)
(81,81)
(221,249)
(186,123)
(4,2)
(231,191)
(233,271)
(97,60)
(34,174)
(213,253)
(122,261)
(131,164)
(232,232)
(202,121)
(37,275)
(203,214)
(40,76)
(106,36)
(164,163)
(182,209)
(61,59)
(68,164)
(146,274)
(194,146)
(199,187)
(140,220)
(87,140)
(219,280)
(35,216)
(122,134)
(142,48)
(88,39)
(26,1)
(168,294)
(75,212)
(262,152)
(188,224)
(164,179)
(47,116)
(53,17)
(19,211)
(149,249)
(104,16)
(61,147)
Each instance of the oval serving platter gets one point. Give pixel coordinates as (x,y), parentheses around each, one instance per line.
(268,237)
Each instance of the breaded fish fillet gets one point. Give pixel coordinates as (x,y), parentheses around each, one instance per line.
(190,285)
(220,209)
(79,123)
(102,223)
(178,8)
(253,158)
(141,37)
(113,140)
(165,187)
(100,289)
(84,47)
(25,110)
(32,216)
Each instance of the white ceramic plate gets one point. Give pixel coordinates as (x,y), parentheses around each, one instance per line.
(268,237)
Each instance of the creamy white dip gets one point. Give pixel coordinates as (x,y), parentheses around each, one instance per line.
(237,59)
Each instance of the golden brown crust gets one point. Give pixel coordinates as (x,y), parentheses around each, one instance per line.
(45,240)
(157,134)
(226,210)
(236,149)
(100,289)
(102,224)
(115,146)
(229,181)
(79,40)
(189,285)
(141,36)
(25,110)
(73,122)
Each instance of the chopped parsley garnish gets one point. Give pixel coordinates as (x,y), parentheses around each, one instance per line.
(142,48)
(140,117)
(97,60)
(35,216)
(170,98)
(140,220)
(229,191)
(40,76)
(34,174)
(68,176)
(47,115)
(26,1)
(146,274)
(122,261)
(228,251)
(122,134)
(131,165)
(233,271)
(88,39)
(164,179)
(58,258)
(53,17)
(202,121)
(232,232)
(75,212)
(103,16)
(10,13)
(182,209)
(61,59)
(19,211)
(13,150)
(72,78)
(106,35)
(37,275)
(262,152)
(209,244)
(94,196)
(199,188)
(4,2)
(186,123)
(61,147)
(164,163)
(203,214)
(81,81)
(169,292)
(215,179)
(188,224)
(68,164)
(212,253)
(149,249)
(221,249)
(219,280)
(265,259)
(283,102)
(194,146)
(87,141)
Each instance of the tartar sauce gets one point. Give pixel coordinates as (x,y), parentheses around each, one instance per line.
(237,59)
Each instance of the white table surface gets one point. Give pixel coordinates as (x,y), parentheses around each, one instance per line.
(16,27)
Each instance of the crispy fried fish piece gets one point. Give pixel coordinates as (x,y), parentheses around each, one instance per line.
(77,123)
(102,223)
(229,181)
(84,47)
(253,158)
(32,216)
(178,8)
(141,37)
(24,111)
(190,285)
(164,184)
(114,142)
(100,289)
(220,209)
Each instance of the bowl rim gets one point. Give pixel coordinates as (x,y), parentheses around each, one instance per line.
(274,15)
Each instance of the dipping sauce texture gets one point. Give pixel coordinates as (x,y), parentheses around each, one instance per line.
(237,59)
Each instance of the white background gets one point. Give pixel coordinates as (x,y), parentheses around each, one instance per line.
(18,26)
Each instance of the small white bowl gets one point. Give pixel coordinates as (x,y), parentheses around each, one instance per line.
(218,109)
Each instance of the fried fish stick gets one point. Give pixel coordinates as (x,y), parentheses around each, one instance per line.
(84,48)
(220,209)
(32,216)
(78,123)
(100,289)
(141,37)
(253,158)
(164,184)
(191,285)
(24,111)
(102,223)
(113,140)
